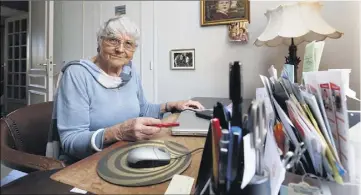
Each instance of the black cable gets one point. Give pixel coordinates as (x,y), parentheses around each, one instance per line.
(187,153)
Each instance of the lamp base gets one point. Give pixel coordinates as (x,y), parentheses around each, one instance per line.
(292,58)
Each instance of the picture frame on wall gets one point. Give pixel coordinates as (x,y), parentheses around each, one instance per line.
(218,12)
(182,59)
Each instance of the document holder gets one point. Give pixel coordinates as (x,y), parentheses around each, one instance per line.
(204,184)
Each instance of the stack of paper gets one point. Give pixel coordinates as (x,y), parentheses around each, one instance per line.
(330,88)
(314,121)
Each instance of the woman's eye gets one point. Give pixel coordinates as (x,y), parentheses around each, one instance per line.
(113,40)
(129,44)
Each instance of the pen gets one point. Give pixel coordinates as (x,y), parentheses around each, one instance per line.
(165,125)
(223,154)
(229,164)
(224,139)
(233,154)
(216,136)
(237,137)
(219,112)
(217,131)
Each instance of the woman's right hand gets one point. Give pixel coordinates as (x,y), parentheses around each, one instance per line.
(133,129)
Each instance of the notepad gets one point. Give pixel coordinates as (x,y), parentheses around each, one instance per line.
(180,184)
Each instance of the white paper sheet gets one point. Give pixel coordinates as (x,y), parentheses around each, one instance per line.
(273,164)
(250,163)
(78,191)
(180,184)
(287,124)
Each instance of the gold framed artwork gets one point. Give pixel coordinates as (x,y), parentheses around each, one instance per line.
(217,12)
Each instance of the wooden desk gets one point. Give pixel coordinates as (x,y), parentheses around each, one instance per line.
(38,182)
(83,174)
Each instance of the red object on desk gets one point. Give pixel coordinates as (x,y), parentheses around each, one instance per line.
(165,125)
(216,136)
(279,136)
(217,130)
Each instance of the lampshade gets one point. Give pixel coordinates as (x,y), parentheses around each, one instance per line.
(301,21)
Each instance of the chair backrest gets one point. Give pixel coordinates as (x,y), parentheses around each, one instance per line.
(29,127)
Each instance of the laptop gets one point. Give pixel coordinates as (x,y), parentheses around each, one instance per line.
(190,124)
(197,124)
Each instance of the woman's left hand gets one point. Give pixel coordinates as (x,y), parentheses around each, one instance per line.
(187,104)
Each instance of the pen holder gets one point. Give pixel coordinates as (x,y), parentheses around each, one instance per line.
(258,185)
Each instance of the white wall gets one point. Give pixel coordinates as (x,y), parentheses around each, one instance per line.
(345,52)
(178,30)
(177,26)
(76,24)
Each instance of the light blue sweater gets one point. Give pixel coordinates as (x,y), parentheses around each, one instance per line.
(87,100)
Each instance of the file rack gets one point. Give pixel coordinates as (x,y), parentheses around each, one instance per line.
(205,184)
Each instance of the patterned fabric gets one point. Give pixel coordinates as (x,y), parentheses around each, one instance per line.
(53,149)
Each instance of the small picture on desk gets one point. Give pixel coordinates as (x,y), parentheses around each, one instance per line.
(182,59)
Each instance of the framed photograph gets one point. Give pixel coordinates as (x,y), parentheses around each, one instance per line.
(216,12)
(182,59)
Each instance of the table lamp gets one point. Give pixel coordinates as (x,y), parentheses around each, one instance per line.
(292,24)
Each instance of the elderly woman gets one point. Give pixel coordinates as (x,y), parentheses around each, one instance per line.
(101,101)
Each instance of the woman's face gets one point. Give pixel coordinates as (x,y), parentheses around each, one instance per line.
(117,50)
(223,5)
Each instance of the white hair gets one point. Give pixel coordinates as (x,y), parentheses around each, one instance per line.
(118,25)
